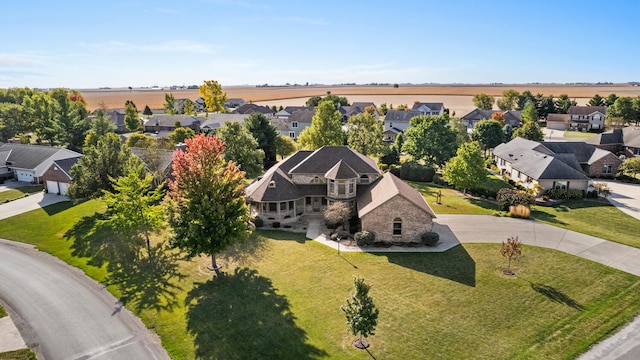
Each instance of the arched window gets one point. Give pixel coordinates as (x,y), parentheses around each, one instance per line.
(316,180)
(397,226)
(272,184)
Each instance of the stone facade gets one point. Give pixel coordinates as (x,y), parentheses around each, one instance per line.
(597,169)
(414,221)
(53,173)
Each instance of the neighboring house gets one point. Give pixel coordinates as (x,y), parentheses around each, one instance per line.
(625,141)
(398,121)
(425,108)
(29,162)
(161,125)
(234,103)
(529,163)
(357,108)
(157,161)
(470,119)
(215,121)
(199,105)
(307,182)
(287,111)
(594,162)
(57,177)
(295,123)
(389,135)
(251,108)
(579,118)
(117,118)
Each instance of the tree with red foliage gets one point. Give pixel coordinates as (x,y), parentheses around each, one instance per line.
(499,116)
(206,205)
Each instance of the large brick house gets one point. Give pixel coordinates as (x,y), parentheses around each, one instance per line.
(307,182)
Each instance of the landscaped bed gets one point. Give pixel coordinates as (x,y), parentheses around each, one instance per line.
(283,301)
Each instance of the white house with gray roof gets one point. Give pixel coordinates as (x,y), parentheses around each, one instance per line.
(28,163)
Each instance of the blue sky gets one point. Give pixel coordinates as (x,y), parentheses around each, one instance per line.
(89,44)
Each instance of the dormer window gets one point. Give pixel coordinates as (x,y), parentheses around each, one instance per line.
(364,179)
(316,180)
(272,184)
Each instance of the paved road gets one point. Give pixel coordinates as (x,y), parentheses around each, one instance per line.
(63,314)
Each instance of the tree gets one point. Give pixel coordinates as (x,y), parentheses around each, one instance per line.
(508,100)
(466,170)
(498,116)
(180,134)
(188,108)
(430,138)
(611,99)
(488,133)
(512,249)
(316,100)
(285,146)
(170,104)
(525,98)
(313,101)
(390,155)
(107,159)
(596,100)
(241,148)
(399,142)
(508,131)
(563,103)
(462,134)
(623,110)
(325,129)
(134,206)
(383,109)
(41,109)
(147,111)
(483,101)
(71,117)
(530,128)
(100,127)
(131,120)
(338,213)
(630,167)
(139,140)
(364,134)
(265,134)
(206,207)
(13,120)
(361,313)
(214,97)
(545,105)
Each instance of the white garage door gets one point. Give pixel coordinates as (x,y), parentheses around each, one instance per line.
(52,187)
(63,188)
(24,176)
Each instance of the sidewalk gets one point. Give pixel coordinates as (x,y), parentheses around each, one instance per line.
(10,338)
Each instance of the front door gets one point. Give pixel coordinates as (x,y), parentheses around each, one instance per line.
(316,202)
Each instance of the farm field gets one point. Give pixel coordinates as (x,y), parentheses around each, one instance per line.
(455,97)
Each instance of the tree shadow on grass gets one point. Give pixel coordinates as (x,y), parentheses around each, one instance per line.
(283,235)
(454,264)
(556,295)
(145,281)
(484,204)
(546,217)
(58,207)
(241,316)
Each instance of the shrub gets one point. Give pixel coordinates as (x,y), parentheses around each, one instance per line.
(364,238)
(508,197)
(413,171)
(602,189)
(331,224)
(520,211)
(395,170)
(438,180)
(568,194)
(489,163)
(430,238)
(258,222)
(276,224)
(383,167)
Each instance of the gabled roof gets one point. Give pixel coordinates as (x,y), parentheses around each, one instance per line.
(586,110)
(323,159)
(341,171)
(251,108)
(291,109)
(627,136)
(66,164)
(162,157)
(386,188)
(477,114)
(273,186)
(401,115)
(363,105)
(539,162)
(430,105)
(564,118)
(170,120)
(215,121)
(30,156)
(582,151)
(302,116)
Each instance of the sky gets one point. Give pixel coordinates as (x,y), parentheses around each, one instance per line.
(90,44)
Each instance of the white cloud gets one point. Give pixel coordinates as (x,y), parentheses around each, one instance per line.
(184,46)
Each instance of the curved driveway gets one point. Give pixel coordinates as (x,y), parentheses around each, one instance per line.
(63,314)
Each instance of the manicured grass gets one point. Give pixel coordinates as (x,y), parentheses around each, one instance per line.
(23,354)
(578,134)
(13,194)
(592,217)
(453,201)
(3,313)
(283,299)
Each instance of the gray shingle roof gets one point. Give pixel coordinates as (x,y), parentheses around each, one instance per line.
(586,110)
(302,116)
(401,115)
(341,171)
(170,120)
(66,164)
(215,121)
(251,108)
(30,156)
(323,159)
(430,105)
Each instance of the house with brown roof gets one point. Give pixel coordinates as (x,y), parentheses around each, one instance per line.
(579,118)
(307,182)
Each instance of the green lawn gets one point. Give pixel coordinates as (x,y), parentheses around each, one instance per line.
(282,300)
(13,194)
(592,217)
(3,313)
(578,134)
(23,354)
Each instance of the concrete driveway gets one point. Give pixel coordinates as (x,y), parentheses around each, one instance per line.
(625,197)
(63,314)
(31,202)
